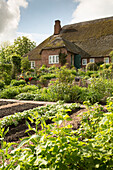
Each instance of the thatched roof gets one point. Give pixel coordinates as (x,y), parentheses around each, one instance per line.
(57,41)
(94,37)
(91,38)
(35,53)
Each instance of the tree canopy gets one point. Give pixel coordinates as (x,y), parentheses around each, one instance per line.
(21,46)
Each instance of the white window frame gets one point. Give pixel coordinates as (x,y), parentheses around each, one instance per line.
(92,60)
(53,59)
(32,64)
(106,60)
(84,62)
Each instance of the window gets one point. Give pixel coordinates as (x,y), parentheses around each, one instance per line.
(53,59)
(92,60)
(84,61)
(32,64)
(106,60)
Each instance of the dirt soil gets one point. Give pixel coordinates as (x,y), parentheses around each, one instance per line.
(19,131)
(10,109)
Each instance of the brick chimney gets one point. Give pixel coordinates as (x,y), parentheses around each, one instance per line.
(57,27)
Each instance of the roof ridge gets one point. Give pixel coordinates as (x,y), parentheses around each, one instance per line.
(89,21)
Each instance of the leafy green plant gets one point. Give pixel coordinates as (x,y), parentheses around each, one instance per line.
(9,93)
(57,146)
(18,82)
(2,84)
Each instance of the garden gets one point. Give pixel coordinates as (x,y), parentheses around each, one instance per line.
(76,132)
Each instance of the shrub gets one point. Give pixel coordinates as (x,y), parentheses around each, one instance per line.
(2,84)
(18,82)
(29,88)
(7,78)
(91,67)
(25,96)
(9,93)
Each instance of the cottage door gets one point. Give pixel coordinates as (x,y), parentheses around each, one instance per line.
(77,61)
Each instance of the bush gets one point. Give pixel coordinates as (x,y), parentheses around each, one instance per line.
(2,84)
(25,96)
(9,93)
(18,82)
(91,67)
(7,78)
(29,88)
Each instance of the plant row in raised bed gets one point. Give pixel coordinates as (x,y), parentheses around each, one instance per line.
(45,111)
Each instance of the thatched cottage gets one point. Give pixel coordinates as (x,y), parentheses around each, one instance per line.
(84,42)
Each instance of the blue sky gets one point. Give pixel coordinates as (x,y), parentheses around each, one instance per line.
(35,18)
(40,15)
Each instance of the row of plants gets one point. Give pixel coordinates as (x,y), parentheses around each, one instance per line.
(43,111)
(57,146)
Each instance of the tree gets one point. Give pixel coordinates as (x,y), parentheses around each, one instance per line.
(23,45)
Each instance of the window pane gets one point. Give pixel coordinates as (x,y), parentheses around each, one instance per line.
(84,61)
(32,64)
(53,59)
(92,60)
(49,59)
(57,59)
(106,60)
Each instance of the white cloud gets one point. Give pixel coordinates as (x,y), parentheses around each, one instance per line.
(34,37)
(92,9)
(9,18)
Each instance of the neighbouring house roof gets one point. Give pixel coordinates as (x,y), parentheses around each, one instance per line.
(94,37)
(91,38)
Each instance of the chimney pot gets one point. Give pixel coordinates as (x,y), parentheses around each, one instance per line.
(57,27)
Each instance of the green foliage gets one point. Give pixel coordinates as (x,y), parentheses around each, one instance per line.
(6,78)
(5,67)
(25,64)
(111,54)
(9,93)
(23,45)
(25,96)
(64,75)
(2,84)
(16,60)
(18,82)
(29,88)
(91,67)
(62,58)
(99,89)
(57,146)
